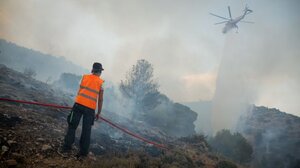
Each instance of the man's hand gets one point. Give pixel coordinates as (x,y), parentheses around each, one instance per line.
(97,116)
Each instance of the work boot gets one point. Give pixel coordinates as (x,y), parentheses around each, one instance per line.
(80,157)
(64,151)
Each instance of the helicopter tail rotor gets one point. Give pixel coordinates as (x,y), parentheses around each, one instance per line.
(247,9)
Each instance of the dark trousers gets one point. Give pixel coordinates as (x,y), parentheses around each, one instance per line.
(73,121)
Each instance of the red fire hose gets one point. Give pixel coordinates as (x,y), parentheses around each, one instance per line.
(102,118)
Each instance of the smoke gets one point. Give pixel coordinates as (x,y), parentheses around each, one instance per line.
(258,67)
(115,102)
(117,33)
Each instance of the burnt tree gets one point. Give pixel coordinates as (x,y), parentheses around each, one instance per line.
(140,86)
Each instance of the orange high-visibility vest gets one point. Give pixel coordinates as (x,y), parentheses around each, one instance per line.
(89,90)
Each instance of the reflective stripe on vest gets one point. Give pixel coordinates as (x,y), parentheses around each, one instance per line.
(89,90)
(88,97)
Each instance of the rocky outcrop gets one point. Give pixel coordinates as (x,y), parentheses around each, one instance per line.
(174,119)
(181,121)
(274,135)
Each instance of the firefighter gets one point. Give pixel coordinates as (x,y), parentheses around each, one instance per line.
(89,96)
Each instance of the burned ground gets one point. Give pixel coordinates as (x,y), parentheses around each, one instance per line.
(30,135)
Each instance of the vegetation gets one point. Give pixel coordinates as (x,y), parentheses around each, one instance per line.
(140,86)
(153,107)
(225,164)
(233,146)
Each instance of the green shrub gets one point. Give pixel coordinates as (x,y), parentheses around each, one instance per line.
(233,146)
(225,164)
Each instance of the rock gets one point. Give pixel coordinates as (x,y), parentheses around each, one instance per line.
(19,157)
(49,163)
(11,142)
(57,130)
(46,147)
(11,162)
(40,139)
(4,149)
(39,156)
(52,165)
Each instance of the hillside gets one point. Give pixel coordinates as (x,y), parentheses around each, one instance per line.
(47,67)
(274,135)
(31,135)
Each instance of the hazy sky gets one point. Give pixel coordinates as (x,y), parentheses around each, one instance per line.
(178,37)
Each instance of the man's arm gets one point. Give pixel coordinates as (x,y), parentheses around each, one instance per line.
(100,101)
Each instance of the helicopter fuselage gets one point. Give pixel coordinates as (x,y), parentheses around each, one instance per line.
(233,23)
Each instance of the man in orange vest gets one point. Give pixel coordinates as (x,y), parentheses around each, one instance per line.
(85,105)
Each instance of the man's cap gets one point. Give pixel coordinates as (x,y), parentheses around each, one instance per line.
(97,66)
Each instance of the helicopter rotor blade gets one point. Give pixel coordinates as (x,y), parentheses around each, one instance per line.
(221,22)
(219,16)
(229,12)
(243,21)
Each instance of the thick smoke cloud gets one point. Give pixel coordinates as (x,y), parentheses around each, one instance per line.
(192,59)
(118,33)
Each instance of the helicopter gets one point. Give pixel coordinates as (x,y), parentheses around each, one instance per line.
(232,23)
